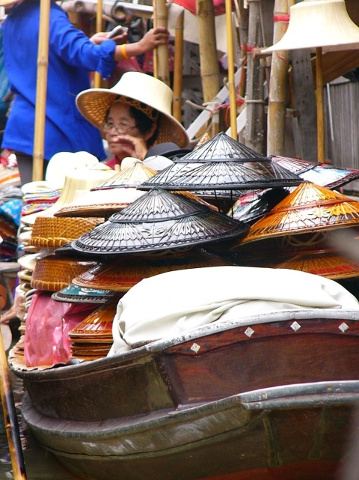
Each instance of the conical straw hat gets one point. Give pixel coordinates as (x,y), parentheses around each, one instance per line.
(319,23)
(124,273)
(222,163)
(76,184)
(308,208)
(156,221)
(111,196)
(328,264)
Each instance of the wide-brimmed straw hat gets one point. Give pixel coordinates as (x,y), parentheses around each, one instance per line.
(141,91)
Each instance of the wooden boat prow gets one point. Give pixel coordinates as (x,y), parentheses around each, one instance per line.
(263,395)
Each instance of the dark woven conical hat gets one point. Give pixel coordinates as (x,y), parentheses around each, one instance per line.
(328,264)
(125,272)
(222,163)
(308,208)
(157,221)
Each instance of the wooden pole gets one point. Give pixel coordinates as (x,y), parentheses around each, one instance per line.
(208,50)
(97,76)
(41,91)
(254,137)
(161,52)
(10,418)
(178,68)
(320,105)
(231,84)
(278,85)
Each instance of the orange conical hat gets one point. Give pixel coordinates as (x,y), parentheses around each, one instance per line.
(307,209)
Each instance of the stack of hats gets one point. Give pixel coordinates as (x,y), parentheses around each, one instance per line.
(92,338)
(295,234)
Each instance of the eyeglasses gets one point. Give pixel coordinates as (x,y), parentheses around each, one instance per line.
(122,127)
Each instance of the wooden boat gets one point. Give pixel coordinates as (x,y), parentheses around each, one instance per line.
(263,397)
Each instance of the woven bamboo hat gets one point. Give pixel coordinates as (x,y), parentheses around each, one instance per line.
(113,195)
(76,183)
(319,23)
(145,93)
(328,264)
(222,163)
(308,208)
(159,220)
(123,274)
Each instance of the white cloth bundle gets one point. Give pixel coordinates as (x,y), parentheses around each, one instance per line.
(174,302)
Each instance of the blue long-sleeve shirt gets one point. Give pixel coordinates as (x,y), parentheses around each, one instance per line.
(71,57)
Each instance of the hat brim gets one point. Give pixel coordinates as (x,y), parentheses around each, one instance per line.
(94,104)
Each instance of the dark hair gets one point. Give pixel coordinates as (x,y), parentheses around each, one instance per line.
(143,123)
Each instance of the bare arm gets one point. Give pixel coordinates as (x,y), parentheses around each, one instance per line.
(153,38)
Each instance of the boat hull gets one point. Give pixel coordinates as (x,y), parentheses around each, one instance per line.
(295,432)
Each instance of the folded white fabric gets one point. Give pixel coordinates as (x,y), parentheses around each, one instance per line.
(175,302)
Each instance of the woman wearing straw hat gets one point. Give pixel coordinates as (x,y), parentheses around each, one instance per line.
(72,55)
(133,115)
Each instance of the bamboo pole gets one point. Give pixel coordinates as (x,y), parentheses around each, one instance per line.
(97,76)
(254,137)
(231,84)
(278,85)
(41,91)
(178,68)
(207,49)
(10,418)
(160,53)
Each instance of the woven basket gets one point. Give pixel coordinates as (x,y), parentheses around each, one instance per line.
(52,273)
(56,232)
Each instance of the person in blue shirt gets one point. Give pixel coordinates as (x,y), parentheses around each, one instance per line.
(72,56)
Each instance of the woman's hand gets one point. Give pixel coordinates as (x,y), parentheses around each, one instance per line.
(153,38)
(100,37)
(122,146)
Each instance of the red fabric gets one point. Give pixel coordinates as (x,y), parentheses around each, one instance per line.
(113,162)
(219,6)
(130,65)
